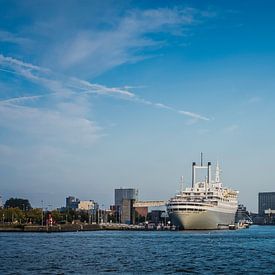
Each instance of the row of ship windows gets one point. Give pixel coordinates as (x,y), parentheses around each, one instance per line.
(210,195)
(194,193)
(189,209)
(193,204)
(208,198)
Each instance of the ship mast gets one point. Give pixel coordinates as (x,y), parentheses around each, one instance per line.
(218,172)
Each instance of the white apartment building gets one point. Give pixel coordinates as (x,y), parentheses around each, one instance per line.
(86,205)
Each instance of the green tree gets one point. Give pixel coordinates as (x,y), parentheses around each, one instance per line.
(57,216)
(69,215)
(22,204)
(2,215)
(14,215)
(34,215)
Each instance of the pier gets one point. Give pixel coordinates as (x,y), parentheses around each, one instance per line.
(79,227)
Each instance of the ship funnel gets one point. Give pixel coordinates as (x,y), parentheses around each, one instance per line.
(193,174)
(209,172)
(218,173)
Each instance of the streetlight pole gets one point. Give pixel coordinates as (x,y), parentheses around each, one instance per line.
(102,213)
(98,215)
(42,213)
(89,216)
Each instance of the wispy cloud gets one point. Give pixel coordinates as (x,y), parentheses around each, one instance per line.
(7,60)
(122,42)
(163,106)
(63,120)
(72,86)
(20,99)
(9,37)
(96,88)
(193,115)
(77,44)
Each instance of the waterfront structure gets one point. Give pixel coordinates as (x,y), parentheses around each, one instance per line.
(124,201)
(266,201)
(205,205)
(158,216)
(142,208)
(242,215)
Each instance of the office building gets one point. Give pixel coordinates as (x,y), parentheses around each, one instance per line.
(72,203)
(124,201)
(125,193)
(266,202)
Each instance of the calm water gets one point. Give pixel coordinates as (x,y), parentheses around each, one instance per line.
(216,252)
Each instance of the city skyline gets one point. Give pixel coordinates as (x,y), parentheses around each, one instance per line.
(108,94)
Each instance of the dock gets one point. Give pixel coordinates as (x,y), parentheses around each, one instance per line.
(76,227)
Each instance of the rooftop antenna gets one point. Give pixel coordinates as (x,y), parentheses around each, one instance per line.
(201,159)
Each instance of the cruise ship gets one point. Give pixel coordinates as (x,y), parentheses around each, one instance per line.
(205,205)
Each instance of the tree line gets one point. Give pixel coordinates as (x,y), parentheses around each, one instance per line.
(20,211)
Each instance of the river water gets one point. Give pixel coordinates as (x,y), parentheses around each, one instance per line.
(249,251)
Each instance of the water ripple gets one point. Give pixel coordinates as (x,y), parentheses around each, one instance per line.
(107,252)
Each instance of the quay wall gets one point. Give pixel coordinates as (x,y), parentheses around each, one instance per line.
(66,228)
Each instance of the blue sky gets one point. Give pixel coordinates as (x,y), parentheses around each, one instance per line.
(97,95)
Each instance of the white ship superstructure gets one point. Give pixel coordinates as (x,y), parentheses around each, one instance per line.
(205,205)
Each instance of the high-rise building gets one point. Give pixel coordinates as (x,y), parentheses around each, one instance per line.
(72,202)
(124,201)
(266,201)
(125,193)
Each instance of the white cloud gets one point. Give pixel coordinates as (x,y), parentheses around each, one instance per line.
(163,106)
(74,87)
(193,115)
(20,99)
(49,126)
(125,40)
(63,121)
(96,88)
(7,60)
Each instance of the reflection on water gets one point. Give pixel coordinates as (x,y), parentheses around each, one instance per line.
(242,251)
